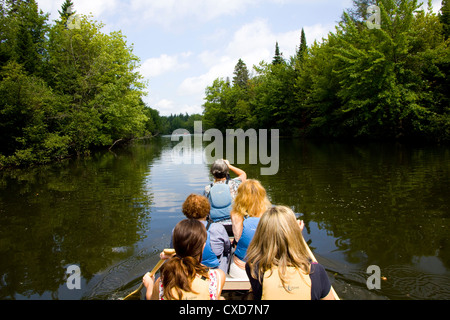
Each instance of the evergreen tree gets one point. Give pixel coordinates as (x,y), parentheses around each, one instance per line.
(301,52)
(303,46)
(64,13)
(241,75)
(278,58)
(25,50)
(444,17)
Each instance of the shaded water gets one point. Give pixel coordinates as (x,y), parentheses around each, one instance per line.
(111,214)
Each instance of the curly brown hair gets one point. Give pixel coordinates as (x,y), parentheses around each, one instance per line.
(196,207)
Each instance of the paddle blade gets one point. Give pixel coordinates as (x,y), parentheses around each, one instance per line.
(135,295)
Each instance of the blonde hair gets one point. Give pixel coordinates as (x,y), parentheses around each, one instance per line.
(278,242)
(251,199)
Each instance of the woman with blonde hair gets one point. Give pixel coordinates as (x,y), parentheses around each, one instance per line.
(278,263)
(250,203)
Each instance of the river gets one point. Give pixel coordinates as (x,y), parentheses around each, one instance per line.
(109,215)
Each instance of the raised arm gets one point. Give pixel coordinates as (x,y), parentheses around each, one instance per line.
(239,172)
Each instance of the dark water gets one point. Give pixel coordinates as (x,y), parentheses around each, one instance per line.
(374,204)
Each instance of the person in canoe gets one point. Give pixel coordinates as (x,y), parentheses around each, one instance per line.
(250,203)
(183,277)
(218,247)
(222,191)
(278,264)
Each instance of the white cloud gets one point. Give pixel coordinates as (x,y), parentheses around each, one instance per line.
(196,85)
(170,12)
(253,42)
(85,7)
(154,67)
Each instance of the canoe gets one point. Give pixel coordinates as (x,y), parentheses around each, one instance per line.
(235,284)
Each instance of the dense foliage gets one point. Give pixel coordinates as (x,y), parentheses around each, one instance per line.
(385,83)
(65,90)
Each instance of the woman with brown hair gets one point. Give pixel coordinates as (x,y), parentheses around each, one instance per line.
(250,203)
(183,277)
(278,262)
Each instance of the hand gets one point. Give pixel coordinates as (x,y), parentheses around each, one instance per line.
(148,281)
(301,224)
(166,254)
(227,162)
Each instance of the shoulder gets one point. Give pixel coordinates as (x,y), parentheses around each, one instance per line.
(217,230)
(219,274)
(320,284)
(235,183)
(236,180)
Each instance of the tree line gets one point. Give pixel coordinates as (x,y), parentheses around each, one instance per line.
(378,83)
(66,89)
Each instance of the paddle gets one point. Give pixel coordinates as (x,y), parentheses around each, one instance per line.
(136,294)
(315,260)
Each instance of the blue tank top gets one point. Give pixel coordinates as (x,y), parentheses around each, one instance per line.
(209,259)
(248,231)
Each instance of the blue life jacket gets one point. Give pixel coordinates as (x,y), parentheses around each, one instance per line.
(248,231)
(209,259)
(221,201)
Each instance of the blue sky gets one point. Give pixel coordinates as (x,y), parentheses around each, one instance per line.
(185,44)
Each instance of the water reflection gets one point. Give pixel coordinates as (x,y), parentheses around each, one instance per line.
(111,214)
(87,212)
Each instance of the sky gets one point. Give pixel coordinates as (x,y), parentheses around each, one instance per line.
(184,45)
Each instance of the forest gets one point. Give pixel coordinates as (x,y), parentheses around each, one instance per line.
(67,90)
(386,83)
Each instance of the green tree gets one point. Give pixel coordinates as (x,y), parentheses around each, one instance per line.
(241,75)
(64,13)
(153,125)
(274,102)
(386,83)
(96,73)
(278,58)
(382,86)
(24,27)
(358,12)
(218,112)
(28,112)
(444,17)
(302,50)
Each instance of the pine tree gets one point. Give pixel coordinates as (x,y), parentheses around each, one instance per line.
(444,17)
(64,13)
(27,26)
(25,49)
(278,58)
(241,75)
(303,47)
